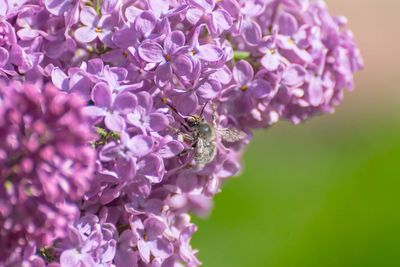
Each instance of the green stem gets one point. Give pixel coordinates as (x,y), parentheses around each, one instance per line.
(241,55)
(98,11)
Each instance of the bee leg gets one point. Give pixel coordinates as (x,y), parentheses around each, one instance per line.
(185,152)
(179,132)
(214,115)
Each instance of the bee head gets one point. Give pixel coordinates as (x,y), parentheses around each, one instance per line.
(193,120)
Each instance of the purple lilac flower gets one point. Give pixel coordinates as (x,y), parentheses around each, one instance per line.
(45,163)
(143,67)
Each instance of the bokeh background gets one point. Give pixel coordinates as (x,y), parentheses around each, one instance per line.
(325,193)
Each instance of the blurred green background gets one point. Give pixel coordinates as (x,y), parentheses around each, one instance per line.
(325,193)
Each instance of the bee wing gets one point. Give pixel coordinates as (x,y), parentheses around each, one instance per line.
(231,135)
(205,152)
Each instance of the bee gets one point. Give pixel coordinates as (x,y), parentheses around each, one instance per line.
(203,136)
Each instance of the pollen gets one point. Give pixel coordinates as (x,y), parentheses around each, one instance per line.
(164,100)
(243,88)
(126,53)
(272,51)
(98,30)
(168,57)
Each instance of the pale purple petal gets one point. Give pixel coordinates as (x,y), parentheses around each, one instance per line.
(207,5)
(151,52)
(159,7)
(163,74)
(209,89)
(101,95)
(125,102)
(271,60)
(145,23)
(182,65)
(251,32)
(243,72)
(89,16)
(260,89)
(161,248)
(60,79)
(114,122)
(193,15)
(57,7)
(221,20)
(94,112)
(3,57)
(223,75)
(315,90)
(288,24)
(85,34)
(171,149)
(154,227)
(158,121)
(126,168)
(294,75)
(132,12)
(140,145)
(27,34)
(173,41)
(152,167)
(210,53)
(144,250)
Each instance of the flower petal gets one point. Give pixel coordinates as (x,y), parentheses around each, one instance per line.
(209,89)
(182,65)
(151,52)
(145,23)
(220,21)
(85,34)
(125,102)
(159,7)
(288,24)
(59,79)
(158,121)
(114,122)
(261,89)
(271,60)
(173,41)
(210,53)
(152,167)
(4,56)
(207,5)
(94,112)
(140,145)
(89,16)
(101,95)
(243,72)
(163,74)
(161,248)
(251,32)
(57,7)
(193,15)
(294,76)
(154,227)
(171,149)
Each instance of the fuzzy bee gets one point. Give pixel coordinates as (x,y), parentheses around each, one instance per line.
(203,136)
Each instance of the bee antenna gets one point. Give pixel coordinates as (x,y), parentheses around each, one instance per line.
(165,101)
(204,107)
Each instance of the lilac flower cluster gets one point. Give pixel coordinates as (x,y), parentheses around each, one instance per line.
(45,164)
(143,68)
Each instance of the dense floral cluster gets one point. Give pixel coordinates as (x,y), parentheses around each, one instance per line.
(45,164)
(144,68)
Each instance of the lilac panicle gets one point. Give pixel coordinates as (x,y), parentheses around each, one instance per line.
(137,71)
(45,161)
